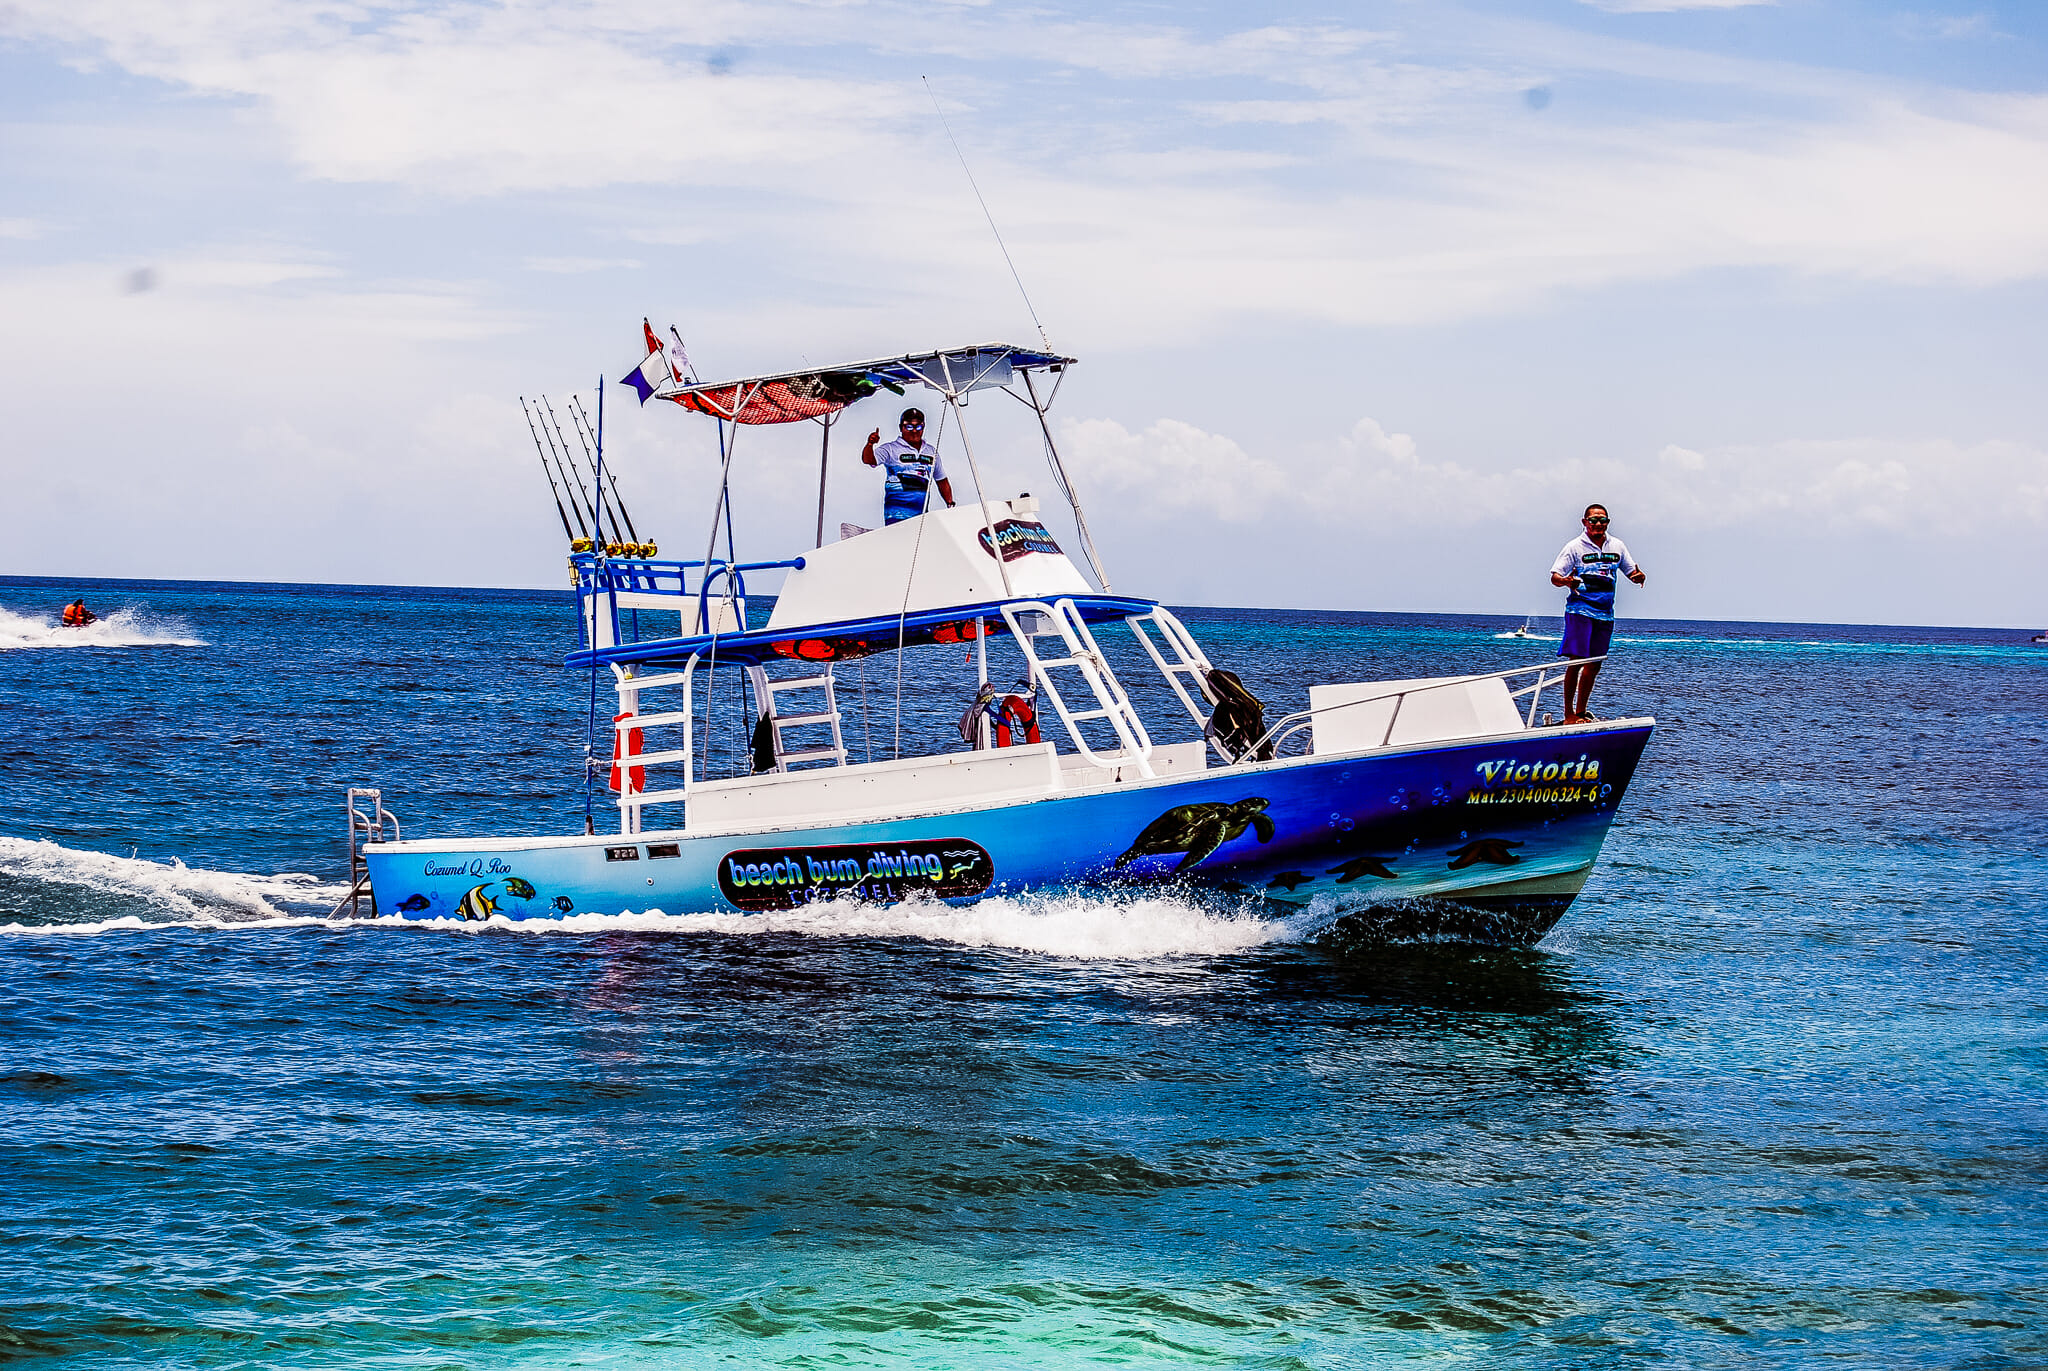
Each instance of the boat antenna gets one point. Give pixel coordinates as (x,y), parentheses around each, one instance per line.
(985,212)
(569,466)
(581,418)
(553,489)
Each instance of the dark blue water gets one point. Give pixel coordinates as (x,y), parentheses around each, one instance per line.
(1770,1095)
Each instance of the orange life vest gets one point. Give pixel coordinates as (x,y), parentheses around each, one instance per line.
(74,616)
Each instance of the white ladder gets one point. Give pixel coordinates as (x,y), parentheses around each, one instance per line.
(786,755)
(631,799)
(1112,704)
(1188,660)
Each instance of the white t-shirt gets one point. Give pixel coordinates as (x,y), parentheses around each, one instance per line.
(900,460)
(1598,566)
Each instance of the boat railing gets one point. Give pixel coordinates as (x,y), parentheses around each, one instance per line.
(1295,723)
(365,825)
(633,577)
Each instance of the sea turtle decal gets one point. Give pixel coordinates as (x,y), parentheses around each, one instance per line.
(1198,830)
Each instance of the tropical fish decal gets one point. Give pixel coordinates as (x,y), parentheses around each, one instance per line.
(563,904)
(1493,850)
(477,906)
(413,904)
(1198,830)
(519,889)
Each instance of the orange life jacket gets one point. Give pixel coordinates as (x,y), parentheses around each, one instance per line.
(74,616)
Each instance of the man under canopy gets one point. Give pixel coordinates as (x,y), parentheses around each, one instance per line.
(911,466)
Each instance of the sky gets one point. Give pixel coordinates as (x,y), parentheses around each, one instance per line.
(1369,300)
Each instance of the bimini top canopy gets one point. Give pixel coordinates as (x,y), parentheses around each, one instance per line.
(786,397)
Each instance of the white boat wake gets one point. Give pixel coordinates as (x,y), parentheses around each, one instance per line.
(160,894)
(122,628)
(170,895)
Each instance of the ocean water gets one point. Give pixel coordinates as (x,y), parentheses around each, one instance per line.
(1772,1093)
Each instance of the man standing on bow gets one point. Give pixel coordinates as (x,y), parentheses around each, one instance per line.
(911,464)
(1589,565)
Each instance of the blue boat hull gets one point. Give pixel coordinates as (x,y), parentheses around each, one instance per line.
(1487,841)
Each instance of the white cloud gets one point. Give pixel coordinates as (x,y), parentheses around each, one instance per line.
(1670,6)
(1427,202)
(1369,477)
(1179,466)
(1943,26)
(580,266)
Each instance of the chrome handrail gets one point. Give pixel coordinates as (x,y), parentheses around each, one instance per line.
(370,824)
(1293,723)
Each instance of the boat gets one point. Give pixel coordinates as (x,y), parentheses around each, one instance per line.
(1526,629)
(1440,807)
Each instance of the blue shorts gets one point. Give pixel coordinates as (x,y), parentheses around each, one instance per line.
(1585,636)
(900,505)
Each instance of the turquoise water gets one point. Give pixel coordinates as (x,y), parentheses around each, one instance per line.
(1771,1094)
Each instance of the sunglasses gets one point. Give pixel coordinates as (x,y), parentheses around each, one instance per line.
(1596,521)
(911,423)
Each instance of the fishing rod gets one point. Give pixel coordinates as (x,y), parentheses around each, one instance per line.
(610,507)
(585,428)
(583,425)
(549,471)
(573,470)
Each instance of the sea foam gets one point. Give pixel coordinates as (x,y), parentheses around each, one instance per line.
(127,627)
(1069,924)
(160,894)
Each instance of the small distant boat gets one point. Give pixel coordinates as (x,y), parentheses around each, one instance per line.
(2039,638)
(1526,630)
(1448,802)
